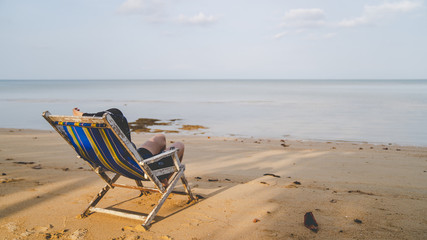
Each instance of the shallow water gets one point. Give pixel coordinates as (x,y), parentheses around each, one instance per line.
(365,110)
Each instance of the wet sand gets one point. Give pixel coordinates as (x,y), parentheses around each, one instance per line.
(250,188)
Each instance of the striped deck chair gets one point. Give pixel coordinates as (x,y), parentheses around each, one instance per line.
(101,143)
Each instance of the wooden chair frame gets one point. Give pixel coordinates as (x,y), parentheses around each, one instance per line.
(151,175)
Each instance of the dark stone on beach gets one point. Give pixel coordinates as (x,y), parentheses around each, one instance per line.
(271,174)
(80,168)
(263,182)
(34,137)
(360,148)
(213,180)
(3,174)
(297,183)
(227,179)
(371,147)
(284,145)
(398,149)
(65,169)
(198,178)
(333,201)
(310,222)
(334,148)
(385,148)
(358,221)
(341,231)
(24,163)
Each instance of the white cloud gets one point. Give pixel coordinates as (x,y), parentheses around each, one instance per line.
(280,35)
(304,18)
(152,10)
(199,19)
(132,7)
(373,14)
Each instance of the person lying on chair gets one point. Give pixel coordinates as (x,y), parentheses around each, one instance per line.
(152,147)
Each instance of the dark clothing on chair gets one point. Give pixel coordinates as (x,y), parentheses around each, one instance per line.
(118,117)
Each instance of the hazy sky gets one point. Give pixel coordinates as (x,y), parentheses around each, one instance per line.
(234,39)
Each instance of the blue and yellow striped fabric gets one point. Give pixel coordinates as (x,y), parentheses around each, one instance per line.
(100,146)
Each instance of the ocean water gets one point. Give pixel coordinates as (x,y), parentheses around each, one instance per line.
(365,110)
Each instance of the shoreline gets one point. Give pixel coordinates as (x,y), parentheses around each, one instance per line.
(189,134)
(251,189)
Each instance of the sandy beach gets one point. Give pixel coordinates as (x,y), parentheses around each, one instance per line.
(354,190)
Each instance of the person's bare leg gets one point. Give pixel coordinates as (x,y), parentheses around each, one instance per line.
(155,144)
(180,147)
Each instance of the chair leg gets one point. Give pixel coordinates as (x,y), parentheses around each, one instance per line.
(187,188)
(165,195)
(139,184)
(100,195)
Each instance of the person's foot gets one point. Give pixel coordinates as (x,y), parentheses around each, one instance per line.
(76,112)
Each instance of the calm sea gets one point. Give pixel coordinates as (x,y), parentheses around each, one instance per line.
(366,110)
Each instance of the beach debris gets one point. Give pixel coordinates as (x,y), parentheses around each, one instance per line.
(398,149)
(37,167)
(34,137)
(9,159)
(297,183)
(334,148)
(358,221)
(3,174)
(360,192)
(198,178)
(213,180)
(255,220)
(24,163)
(227,179)
(385,148)
(284,145)
(264,183)
(333,201)
(8,180)
(65,169)
(271,174)
(78,234)
(390,144)
(310,222)
(360,148)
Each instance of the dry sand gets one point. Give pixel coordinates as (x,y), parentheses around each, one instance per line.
(383,186)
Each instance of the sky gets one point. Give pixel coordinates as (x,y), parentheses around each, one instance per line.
(234,39)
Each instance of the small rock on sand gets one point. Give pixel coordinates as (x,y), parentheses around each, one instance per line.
(37,167)
(358,221)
